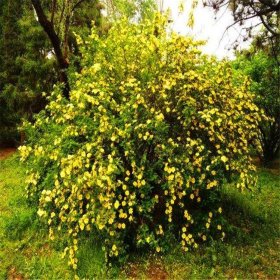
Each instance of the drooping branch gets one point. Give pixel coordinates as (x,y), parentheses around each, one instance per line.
(56,43)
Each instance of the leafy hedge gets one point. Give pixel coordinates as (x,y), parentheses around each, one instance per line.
(152,130)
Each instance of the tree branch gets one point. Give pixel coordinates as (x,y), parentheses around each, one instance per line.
(77,4)
(261,14)
(267,26)
(53,10)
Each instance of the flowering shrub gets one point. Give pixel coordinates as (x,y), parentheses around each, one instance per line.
(151,131)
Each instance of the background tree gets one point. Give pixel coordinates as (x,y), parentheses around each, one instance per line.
(25,70)
(8,71)
(262,67)
(28,64)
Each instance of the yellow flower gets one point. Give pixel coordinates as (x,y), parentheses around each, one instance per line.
(224,159)
(116,204)
(41,212)
(82,225)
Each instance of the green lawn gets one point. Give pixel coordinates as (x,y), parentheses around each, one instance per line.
(250,250)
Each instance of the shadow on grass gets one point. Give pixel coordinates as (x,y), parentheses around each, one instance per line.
(249,251)
(253,216)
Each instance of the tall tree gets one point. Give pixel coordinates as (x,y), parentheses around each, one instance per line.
(9,31)
(10,49)
(25,70)
(31,63)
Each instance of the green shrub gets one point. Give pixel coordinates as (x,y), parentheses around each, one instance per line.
(151,131)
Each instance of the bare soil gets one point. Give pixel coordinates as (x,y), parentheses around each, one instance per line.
(14,275)
(6,152)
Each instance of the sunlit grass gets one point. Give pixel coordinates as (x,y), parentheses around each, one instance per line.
(24,247)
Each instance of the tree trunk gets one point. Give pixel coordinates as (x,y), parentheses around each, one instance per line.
(55,41)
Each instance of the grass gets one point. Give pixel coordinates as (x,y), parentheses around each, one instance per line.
(25,252)
(250,250)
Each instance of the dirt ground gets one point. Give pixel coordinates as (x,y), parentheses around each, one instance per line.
(5,152)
